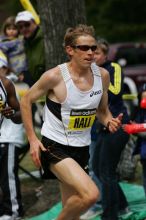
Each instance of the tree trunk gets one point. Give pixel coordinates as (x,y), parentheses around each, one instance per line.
(56,16)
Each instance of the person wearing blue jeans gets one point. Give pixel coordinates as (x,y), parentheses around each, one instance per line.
(94,137)
(109,146)
(96,209)
(108,150)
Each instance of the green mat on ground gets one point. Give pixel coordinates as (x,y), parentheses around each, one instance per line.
(135,196)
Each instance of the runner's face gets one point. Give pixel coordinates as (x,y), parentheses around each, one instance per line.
(100,57)
(83,51)
(27,28)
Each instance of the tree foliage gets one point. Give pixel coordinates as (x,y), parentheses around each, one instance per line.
(118,20)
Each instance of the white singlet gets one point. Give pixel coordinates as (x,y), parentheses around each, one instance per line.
(69,123)
(9,131)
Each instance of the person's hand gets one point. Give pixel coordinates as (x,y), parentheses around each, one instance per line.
(115,123)
(8,112)
(35,147)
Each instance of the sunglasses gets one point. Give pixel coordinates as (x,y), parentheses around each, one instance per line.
(25,25)
(85,47)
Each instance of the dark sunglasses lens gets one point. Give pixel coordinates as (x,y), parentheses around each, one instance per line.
(93,48)
(86,47)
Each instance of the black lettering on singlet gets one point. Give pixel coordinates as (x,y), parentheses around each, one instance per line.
(82,122)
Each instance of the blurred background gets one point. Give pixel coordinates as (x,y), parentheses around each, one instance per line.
(115,20)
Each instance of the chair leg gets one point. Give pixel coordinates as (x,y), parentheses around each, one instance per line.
(29,173)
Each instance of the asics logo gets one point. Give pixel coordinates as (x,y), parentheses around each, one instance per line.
(95,93)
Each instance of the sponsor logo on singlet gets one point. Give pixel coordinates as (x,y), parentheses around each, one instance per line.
(95,93)
(81,119)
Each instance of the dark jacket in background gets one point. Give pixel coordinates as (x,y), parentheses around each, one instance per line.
(35,53)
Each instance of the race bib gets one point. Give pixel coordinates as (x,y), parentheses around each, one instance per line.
(81,119)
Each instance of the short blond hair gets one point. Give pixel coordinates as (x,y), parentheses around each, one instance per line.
(73,33)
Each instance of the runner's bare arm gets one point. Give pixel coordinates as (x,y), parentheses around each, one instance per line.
(42,87)
(48,81)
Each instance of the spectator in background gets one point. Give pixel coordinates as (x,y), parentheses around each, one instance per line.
(35,53)
(34,46)
(109,146)
(141,141)
(3,64)
(11,43)
(11,139)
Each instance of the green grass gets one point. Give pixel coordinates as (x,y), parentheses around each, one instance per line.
(27,163)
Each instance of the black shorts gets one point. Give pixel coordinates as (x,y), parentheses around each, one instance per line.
(57,152)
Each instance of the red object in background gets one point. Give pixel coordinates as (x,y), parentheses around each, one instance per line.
(134,128)
(143,103)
